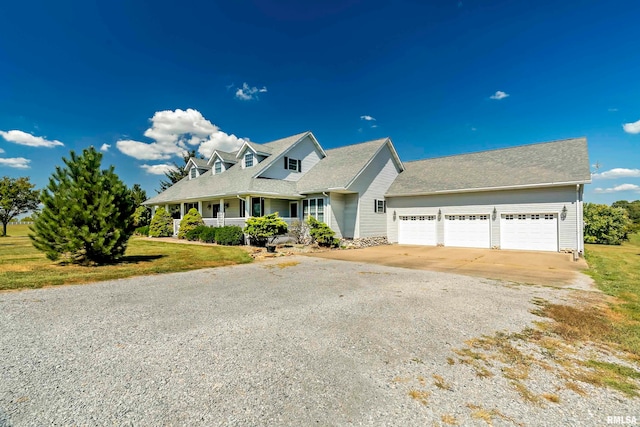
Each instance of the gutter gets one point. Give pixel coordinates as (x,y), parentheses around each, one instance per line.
(483,189)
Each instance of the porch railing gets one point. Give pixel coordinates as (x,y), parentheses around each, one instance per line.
(221,221)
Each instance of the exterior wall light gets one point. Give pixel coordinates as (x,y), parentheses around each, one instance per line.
(439,214)
(494,213)
(563,215)
(394,216)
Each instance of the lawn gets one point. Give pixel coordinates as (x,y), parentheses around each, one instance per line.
(616,270)
(22,266)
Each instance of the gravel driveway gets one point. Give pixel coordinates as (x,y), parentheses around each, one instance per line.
(290,341)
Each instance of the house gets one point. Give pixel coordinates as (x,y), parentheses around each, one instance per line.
(527,197)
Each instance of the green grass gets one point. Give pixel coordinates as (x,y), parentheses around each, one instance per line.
(616,271)
(22,266)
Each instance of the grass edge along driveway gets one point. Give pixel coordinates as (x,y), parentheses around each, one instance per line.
(22,266)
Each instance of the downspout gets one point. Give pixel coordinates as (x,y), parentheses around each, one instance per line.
(578,222)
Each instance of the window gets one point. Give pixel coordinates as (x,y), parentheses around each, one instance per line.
(536,216)
(243,208)
(548,216)
(257,206)
(293,164)
(522,216)
(314,208)
(218,166)
(484,217)
(379,206)
(472,217)
(248,160)
(189,206)
(462,217)
(508,217)
(193,173)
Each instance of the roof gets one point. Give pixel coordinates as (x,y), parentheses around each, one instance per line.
(226,156)
(200,163)
(234,180)
(543,164)
(340,166)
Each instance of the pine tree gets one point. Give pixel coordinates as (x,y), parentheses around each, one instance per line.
(161,224)
(176,173)
(87,214)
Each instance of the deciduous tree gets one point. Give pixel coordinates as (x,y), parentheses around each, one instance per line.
(17,196)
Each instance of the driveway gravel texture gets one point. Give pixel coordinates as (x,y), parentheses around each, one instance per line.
(289,341)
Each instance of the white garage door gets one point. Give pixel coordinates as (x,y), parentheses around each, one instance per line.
(469,231)
(417,230)
(533,232)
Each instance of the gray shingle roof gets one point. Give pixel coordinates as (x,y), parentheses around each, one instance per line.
(227,157)
(234,180)
(547,163)
(340,166)
(201,163)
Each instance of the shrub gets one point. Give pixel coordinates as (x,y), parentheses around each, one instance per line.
(208,235)
(141,216)
(299,230)
(229,235)
(161,224)
(604,224)
(190,221)
(196,233)
(142,231)
(321,233)
(264,229)
(88,212)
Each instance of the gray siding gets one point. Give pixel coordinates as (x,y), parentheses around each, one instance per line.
(350,214)
(305,150)
(372,184)
(337,200)
(541,200)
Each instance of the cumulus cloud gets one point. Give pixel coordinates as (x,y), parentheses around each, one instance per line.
(105,147)
(632,127)
(174,132)
(15,162)
(367,118)
(617,173)
(618,188)
(23,138)
(499,95)
(160,169)
(247,93)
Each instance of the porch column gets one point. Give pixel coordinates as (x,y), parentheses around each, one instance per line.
(166,208)
(181,210)
(221,212)
(247,207)
(200,207)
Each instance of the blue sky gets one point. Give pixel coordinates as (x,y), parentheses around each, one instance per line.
(142,80)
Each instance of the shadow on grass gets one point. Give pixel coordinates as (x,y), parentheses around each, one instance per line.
(136,259)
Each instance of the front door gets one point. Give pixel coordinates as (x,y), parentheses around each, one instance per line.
(216,209)
(293,210)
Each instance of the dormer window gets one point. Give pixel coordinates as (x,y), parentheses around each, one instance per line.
(293,164)
(193,173)
(217,167)
(248,160)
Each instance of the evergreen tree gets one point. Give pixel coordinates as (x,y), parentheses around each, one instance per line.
(177,172)
(161,224)
(87,216)
(190,221)
(142,214)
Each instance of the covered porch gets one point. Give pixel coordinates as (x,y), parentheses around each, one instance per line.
(223,211)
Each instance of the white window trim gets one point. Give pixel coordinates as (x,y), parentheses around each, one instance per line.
(315,213)
(253,159)
(215,165)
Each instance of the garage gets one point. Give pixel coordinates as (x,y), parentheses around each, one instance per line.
(531,231)
(469,231)
(417,230)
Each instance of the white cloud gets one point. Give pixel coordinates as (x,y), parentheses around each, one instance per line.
(105,147)
(15,162)
(1,151)
(618,188)
(617,173)
(160,169)
(23,138)
(367,118)
(374,126)
(174,132)
(499,95)
(632,127)
(246,92)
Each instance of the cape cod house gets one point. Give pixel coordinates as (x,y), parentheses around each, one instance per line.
(527,197)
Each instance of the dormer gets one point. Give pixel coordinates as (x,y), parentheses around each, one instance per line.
(251,154)
(220,161)
(196,167)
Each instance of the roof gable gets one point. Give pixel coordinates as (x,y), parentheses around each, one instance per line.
(199,163)
(543,164)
